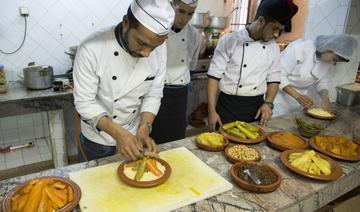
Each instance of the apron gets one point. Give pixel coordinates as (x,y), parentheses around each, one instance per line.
(238,108)
(170,122)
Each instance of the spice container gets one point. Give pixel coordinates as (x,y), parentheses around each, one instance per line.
(2,79)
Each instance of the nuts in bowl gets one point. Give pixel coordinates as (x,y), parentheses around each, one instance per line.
(237,153)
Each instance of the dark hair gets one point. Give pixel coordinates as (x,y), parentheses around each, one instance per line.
(338,57)
(133,22)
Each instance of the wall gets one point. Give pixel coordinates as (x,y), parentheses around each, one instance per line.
(53,27)
(327,17)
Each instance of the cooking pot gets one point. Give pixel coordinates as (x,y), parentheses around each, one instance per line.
(200,20)
(38,77)
(218,22)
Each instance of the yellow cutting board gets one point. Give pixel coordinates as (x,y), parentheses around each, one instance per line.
(191,180)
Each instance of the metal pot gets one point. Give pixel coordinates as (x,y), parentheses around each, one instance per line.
(218,22)
(200,20)
(38,77)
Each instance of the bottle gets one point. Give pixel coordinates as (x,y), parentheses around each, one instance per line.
(2,79)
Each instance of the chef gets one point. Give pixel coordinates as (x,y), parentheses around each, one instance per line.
(306,71)
(245,67)
(119,77)
(183,46)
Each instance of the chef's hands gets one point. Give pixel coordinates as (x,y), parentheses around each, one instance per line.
(129,146)
(214,118)
(305,101)
(265,112)
(326,105)
(143,137)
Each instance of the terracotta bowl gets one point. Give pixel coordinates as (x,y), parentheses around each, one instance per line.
(253,187)
(212,148)
(336,170)
(145,184)
(6,207)
(320,117)
(259,139)
(271,142)
(233,159)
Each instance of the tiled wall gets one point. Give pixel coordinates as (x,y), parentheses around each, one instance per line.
(327,17)
(53,27)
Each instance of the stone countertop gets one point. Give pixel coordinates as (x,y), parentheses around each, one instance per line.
(16,91)
(296,193)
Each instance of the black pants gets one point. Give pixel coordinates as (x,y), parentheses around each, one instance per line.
(238,108)
(170,122)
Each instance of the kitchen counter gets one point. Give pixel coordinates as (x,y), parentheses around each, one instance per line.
(19,100)
(296,193)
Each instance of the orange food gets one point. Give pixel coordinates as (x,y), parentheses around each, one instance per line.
(338,145)
(287,139)
(42,195)
(152,166)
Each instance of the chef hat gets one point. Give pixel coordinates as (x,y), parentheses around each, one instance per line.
(279,10)
(342,45)
(156,15)
(191,3)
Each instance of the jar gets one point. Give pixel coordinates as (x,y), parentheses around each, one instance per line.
(2,79)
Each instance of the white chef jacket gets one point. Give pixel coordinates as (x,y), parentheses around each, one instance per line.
(301,69)
(244,66)
(183,51)
(109,81)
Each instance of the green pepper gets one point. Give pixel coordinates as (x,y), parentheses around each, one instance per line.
(246,132)
(141,169)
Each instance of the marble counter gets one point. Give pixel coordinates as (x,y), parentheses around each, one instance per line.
(296,193)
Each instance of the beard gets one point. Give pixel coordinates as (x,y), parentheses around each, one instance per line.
(125,41)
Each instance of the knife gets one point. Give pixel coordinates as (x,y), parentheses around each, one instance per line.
(12,148)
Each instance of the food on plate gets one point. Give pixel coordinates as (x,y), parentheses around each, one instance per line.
(310,162)
(212,139)
(146,169)
(287,139)
(308,129)
(241,130)
(266,176)
(242,152)
(42,195)
(320,112)
(338,145)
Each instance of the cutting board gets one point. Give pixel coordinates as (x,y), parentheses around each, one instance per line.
(191,180)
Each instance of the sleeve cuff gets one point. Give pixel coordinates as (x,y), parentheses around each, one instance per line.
(212,77)
(276,82)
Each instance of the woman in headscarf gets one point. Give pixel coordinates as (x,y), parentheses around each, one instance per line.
(306,71)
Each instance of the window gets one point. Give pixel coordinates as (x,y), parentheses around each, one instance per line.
(243,12)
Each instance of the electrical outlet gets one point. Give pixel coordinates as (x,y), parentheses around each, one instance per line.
(24,11)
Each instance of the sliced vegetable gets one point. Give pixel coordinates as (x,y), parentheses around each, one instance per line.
(246,132)
(56,200)
(34,197)
(151,164)
(141,169)
(236,133)
(230,125)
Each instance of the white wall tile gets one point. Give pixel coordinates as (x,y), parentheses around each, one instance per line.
(25,120)
(26,133)
(11,135)
(8,123)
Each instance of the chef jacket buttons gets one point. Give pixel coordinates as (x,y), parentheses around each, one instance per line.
(255,88)
(134,111)
(182,61)
(246,44)
(114,77)
(263,47)
(114,117)
(183,40)
(244,65)
(116,53)
(240,86)
(181,80)
(116,100)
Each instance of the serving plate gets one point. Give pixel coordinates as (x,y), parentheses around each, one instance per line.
(145,184)
(336,170)
(282,147)
(259,139)
(306,111)
(346,158)
(6,206)
(234,159)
